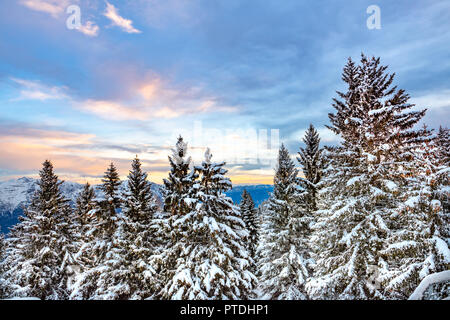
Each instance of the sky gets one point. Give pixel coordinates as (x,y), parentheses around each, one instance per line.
(239,77)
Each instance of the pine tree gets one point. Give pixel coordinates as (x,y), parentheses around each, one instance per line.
(178,187)
(100,235)
(207,251)
(363,183)
(283,251)
(2,266)
(85,203)
(310,158)
(443,145)
(82,224)
(443,159)
(420,248)
(41,245)
(129,271)
(249,215)
(110,186)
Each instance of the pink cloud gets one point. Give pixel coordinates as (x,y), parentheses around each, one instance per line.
(52,7)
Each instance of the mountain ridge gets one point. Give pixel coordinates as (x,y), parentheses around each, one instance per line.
(17,193)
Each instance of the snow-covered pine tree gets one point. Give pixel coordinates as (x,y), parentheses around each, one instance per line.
(2,266)
(129,271)
(100,235)
(311,161)
(363,182)
(208,243)
(418,244)
(178,186)
(110,187)
(443,176)
(283,251)
(443,144)
(85,203)
(249,215)
(83,219)
(40,250)
(179,200)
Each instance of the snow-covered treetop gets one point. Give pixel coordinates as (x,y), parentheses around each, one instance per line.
(180,151)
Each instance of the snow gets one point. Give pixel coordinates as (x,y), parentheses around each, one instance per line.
(354,180)
(428,281)
(390,185)
(442,248)
(411,202)
(402,245)
(22,298)
(378,111)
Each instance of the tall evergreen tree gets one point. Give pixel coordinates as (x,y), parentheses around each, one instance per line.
(100,236)
(311,161)
(2,266)
(249,215)
(85,203)
(443,145)
(364,182)
(208,243)
(110,186)
(41,246)
(418,244)
(83,219)
(178,186)
(443,175)
(129,272)
(283,251)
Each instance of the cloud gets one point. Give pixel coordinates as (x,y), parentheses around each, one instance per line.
(433,100)
(76,156)
(117,111)
(325,135)
(112,110)
(89,28)
(52,7)
(154,99)
(35,90)
(125,24)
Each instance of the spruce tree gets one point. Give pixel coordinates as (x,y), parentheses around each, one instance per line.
(207,251)
(85,203)
(311,161)
(443,145)
(129,272)
(179,200)
(41,246)
(85,207)
(283,251)
(443,175)
(418,245)
(2,265)
(363,183)
(178,186)
(100,235)
(110,186)
(249,215)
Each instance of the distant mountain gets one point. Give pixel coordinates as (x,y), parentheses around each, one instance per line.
(259,192)
(14,194)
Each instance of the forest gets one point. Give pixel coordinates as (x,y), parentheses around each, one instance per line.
(367,218)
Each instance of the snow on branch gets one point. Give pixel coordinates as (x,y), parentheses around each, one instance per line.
(428,281)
